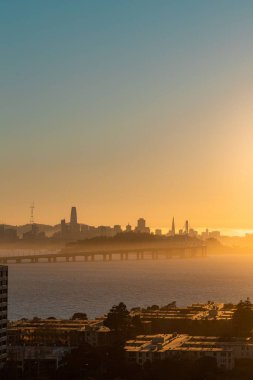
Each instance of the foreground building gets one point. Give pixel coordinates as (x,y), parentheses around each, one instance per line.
(38,346)
(57,333)
(197,319)
(146,348)
(3,313)
(36,360)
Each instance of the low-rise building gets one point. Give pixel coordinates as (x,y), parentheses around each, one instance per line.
(36,360)
(208,318)
(56,332)
(152,347)
(161,346)
(97,336)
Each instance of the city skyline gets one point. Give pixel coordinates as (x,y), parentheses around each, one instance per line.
(126,213)
(173,225)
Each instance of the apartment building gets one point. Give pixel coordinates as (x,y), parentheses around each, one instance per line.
(164,346)
(3,313)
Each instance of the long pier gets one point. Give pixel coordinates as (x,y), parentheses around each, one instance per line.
(154,253)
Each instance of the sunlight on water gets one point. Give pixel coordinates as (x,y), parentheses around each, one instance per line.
(64,288)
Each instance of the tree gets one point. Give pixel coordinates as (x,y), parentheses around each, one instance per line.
(243,318)
(79,316)
(118,319)
(137,325)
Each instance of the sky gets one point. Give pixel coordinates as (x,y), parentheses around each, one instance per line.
(127,109)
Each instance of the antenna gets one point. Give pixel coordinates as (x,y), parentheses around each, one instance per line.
(32,213)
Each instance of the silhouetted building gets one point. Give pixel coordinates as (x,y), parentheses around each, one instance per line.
(3,313)
(128,228)
(193,233)
(64,229)
(104,231)
(173,229)
(214,235)
(186,227)
(141,226)
(74,227)
(117,229)
(73,216)
(172,232)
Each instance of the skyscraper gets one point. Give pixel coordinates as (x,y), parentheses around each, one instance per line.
(186,227)
(173,229)
(73,216)
(3,313)
(74,227)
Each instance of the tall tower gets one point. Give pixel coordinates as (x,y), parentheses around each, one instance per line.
(74,227)
(73,216)
(173,229)
(186,227)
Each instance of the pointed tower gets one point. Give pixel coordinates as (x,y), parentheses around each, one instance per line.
(173,229)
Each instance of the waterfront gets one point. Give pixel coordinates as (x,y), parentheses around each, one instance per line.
(64,288)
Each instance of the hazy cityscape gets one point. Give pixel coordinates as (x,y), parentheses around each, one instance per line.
(126,213)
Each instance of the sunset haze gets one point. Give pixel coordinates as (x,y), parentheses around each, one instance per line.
(127,109)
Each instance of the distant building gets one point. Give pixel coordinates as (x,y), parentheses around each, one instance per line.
(141,226)
(172,232)
(173,229)
(128,228)
(210,235)
(117,229)
(64,228)
(74,227)
(158,232)
(214,235)
(73,216)
(3,313)
(205,235)
(187,227)
(193,233)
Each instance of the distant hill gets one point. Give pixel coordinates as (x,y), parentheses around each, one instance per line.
(49,230)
